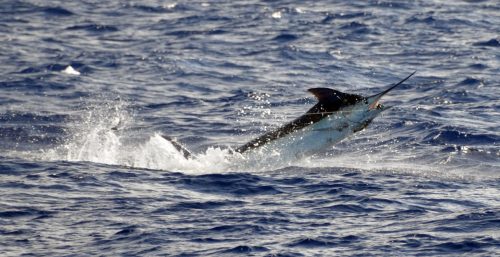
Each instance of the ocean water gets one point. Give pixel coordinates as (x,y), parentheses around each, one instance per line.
(87,88)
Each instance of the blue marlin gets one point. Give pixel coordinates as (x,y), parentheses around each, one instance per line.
(336,116)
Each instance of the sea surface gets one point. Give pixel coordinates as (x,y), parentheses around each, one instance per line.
(88,87)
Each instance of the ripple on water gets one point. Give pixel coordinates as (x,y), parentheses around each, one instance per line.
(217,72)
(95,28)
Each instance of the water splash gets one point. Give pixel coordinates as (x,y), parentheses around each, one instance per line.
(103,134)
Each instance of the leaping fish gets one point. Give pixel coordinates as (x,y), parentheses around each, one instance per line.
(336,116)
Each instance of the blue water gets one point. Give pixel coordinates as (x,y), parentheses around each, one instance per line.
(423,179)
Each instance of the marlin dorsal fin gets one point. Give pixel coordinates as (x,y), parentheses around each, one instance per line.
(322,93)
(333,97)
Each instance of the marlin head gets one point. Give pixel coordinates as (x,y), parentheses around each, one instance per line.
(367,108)
(373,101)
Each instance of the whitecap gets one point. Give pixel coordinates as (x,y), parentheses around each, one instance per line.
(70,71)
(276,15)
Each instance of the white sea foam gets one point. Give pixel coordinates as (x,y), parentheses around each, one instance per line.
(70,71)
(98,137)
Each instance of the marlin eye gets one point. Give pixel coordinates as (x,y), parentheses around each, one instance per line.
(379,106)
